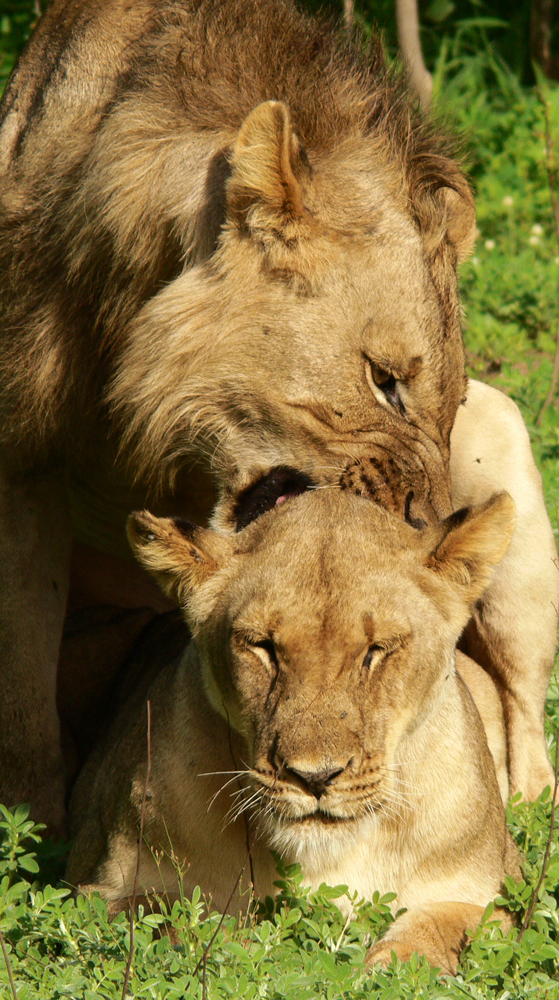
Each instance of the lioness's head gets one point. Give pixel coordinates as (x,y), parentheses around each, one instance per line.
(326,632)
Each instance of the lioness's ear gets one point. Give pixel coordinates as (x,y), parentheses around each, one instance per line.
(471,542)
(266,158)
(178,554)
(460,218)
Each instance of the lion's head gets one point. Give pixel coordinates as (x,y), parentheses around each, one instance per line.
(326,316)
(248,252)
(327,633)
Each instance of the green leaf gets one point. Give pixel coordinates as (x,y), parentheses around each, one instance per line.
(438,10)
(28,863)
(237,950)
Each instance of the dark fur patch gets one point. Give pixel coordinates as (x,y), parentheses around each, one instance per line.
(415,522)
(457,517)
(186,528)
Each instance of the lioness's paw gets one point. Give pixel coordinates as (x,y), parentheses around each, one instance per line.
(382,952)
(532,774)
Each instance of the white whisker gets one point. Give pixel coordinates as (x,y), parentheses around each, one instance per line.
(402,781)
(407,761)
(236,810)
(212,774)
(224,786)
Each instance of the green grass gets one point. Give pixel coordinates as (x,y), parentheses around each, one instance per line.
(299,946)
(510,285)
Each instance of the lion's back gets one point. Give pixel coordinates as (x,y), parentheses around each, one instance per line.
(66,76)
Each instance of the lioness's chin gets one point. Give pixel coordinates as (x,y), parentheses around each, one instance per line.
(329,836)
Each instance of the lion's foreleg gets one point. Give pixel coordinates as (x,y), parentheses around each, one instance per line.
(35,542)
(513,632)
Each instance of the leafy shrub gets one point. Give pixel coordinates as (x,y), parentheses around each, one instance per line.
(17,18)
(298,946)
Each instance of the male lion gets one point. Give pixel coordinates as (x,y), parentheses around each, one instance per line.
(321,685)
(228,250)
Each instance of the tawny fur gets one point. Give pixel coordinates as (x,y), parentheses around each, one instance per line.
(227,244)
(513,631)
(320,711)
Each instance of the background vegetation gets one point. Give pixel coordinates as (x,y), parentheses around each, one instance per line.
(300,947)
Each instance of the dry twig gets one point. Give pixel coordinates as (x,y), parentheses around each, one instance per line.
(8,966)
(541,29)
(407,19)
(245,817)
(138,857)
(551,168)
(203,960)
(535,894)
(349,14)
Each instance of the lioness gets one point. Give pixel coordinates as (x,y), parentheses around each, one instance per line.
(228,250)
(321,685)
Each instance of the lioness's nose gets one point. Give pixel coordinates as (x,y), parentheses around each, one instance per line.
(315,781)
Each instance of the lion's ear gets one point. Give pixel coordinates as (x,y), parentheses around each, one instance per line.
(178,554)
(460,218)
(471,542)
(267,159)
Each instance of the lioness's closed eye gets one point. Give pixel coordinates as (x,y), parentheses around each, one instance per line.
(318,711)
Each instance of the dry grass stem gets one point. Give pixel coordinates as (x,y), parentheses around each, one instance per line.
(535,894)
(551,168)
(8,966)
(248,860)
(138,857)
(421,81)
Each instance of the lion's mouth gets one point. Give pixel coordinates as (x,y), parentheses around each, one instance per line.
(271,490)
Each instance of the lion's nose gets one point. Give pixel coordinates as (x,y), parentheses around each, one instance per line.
(315,781)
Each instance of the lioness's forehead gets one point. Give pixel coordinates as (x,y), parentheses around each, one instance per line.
(329,512)
(330,534)
(328,567)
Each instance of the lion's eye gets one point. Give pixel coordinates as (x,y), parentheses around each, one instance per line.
(388,385)
(373,656)
(265,650)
